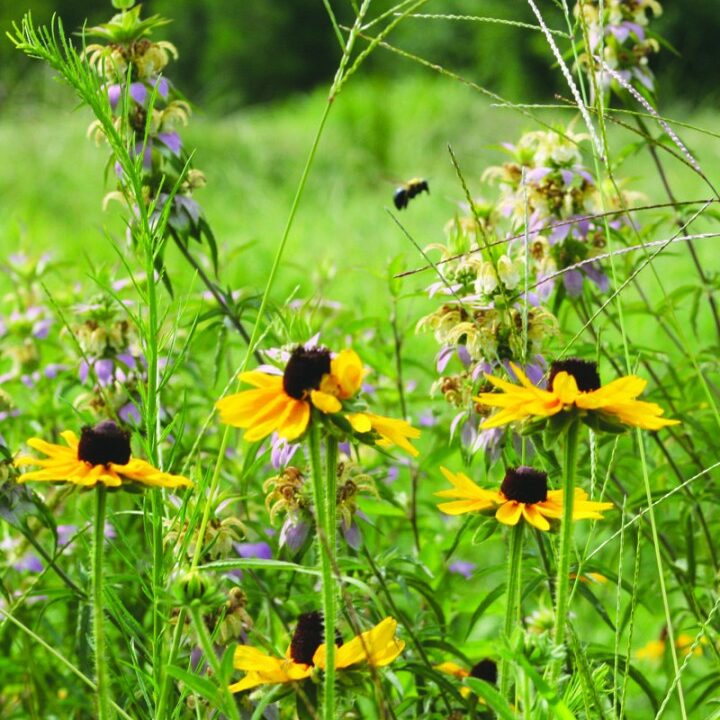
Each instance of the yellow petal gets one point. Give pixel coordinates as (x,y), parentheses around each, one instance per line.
(325,402)
(359,422)
(532,514)
(347,368)
(450,668)
(509,513)
(565,388)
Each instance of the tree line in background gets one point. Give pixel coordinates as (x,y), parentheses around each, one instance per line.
(239,53)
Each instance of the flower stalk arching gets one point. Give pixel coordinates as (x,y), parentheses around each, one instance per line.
(324,494)
(562,582)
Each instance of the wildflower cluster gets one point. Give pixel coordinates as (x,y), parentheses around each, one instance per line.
(111,360)
(217,586)
(149,111)
(289,495)
(618,34)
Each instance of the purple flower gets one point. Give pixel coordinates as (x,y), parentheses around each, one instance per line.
(130,414)
(427,419)
(537,174)
(597,276)
(260,550)
(31,563)
(65,534)
(351,533)
(172,141)
(573,281)
(462,567)
(294,532)
(282,452)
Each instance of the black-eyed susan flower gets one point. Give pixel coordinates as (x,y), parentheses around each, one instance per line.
(376,647)
(523,495)
(574,385)
(312,378)
(485,670)
(101,455)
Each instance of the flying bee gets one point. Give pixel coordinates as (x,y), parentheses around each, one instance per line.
(407,191)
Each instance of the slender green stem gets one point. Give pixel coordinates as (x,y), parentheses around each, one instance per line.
(212,658)
(103,696)
(322,488)
(562,583)
(661,576)
(514,572)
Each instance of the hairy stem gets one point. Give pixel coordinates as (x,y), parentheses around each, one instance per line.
(562,583)
(103,694)
(212,658)
(514,572)
(326,549)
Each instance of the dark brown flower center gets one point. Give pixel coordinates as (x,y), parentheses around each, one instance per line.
(585,373)
(525,485)
(304,370)
(103,444)
(309,635)
(485,670)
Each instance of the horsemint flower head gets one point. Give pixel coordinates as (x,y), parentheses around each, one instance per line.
(101,455)
(485,670)
(523,494)
(574,386)
(377,647)
(312,378)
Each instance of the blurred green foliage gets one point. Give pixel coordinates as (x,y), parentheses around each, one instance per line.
(237,53)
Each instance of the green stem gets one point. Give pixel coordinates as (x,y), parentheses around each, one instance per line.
(514,572)
(562,583)
(325,511)
(103,696)
(174,649)
(212,658)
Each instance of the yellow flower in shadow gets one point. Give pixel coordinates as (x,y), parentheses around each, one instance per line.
(376,647)
(486,670)
(101,455)
(573,384)
(523,495)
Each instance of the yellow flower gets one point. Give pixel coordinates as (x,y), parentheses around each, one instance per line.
(376,647)
(282,403)
(262,669)
(655,649)
(484,670)
(574,384)
(652,650)
(469,497)
(523,495)
(390,430)
(102,454)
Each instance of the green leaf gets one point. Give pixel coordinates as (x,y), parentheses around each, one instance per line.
(200,686)
(492,697)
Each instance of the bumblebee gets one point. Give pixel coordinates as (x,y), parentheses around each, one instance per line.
(408,191)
